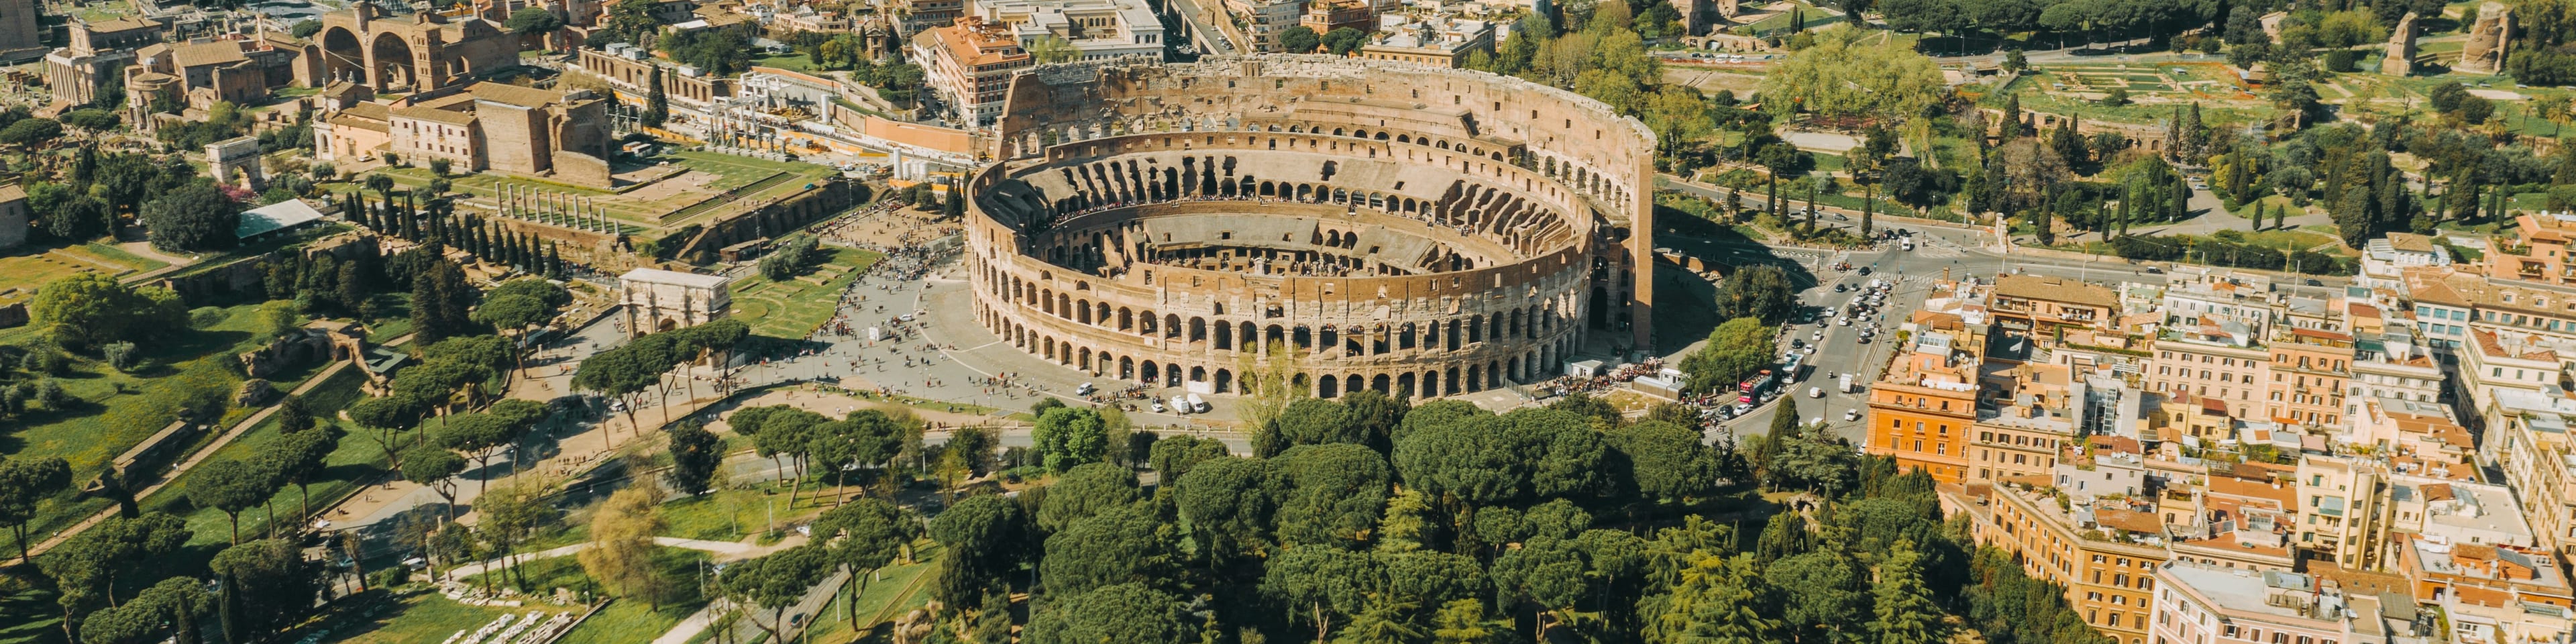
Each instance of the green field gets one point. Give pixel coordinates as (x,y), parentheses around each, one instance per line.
(730,515)
(357,460)
(110,417)
(794,308)
(882,597)
(631,620)
(21,274)
(420,617)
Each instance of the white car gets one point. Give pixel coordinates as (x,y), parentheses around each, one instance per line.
(1084,390)
(1815,392)
(1851,414)
(1843,322)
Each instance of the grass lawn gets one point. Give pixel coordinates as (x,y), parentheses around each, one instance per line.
(789,62)
(794,308)
(111,417)
(33,616)
(357,460)
(423,616)
(629,620)
(22,273)
(730,515)
(888,594)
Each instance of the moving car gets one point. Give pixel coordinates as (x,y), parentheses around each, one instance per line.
(1815,392)
(1851,414)
(1084,390)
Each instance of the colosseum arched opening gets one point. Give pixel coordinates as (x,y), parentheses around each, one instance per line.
(1326,224)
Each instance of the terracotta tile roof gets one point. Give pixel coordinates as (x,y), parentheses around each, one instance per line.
(220,52)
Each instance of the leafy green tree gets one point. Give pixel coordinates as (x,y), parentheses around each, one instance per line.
(1086,490)
(864,535)
(436,469)
(1298,40)
(93,309)
(1225,507)
(1172,457)
(1124,613)
(1070,436)
(1735,351)
(1664,462)
(167,611)
(1906,612)
(1719,600)
(1761,292)
(28,133)
(985,537)
(1784,536)
(775,582)
(1308,421)
(1463,622)
(1825,592)
(1332,494)
(267,586)
(1051,49)
(1341,41)
(657,102)
(1320,586)
(1118,546)
(534,21)
(231,486)
(24,483)
(192,218)
(442,302)
(88,568)
(301,458)
(695,455)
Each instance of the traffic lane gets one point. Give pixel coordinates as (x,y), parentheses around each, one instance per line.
(1840,351)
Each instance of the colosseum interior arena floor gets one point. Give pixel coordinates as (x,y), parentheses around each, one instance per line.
(1321,224)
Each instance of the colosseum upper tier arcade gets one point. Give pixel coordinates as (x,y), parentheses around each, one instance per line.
(1346,223)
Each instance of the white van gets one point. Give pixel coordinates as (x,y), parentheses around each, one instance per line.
(1181,405)
(1197,405)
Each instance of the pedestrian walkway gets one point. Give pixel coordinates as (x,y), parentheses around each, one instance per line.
(723,550)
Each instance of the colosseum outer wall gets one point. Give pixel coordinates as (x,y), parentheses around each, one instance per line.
(1548,193)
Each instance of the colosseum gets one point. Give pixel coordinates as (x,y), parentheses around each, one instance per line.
(1340,223)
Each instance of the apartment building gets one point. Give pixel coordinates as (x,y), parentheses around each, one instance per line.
(2203,359)
(1442,41)
(2538,252)
(2309,370)
(1097,29)
(2392,365)
(2442,304)
(2201,604)
(1924,410)
(2048,307)
(2530,434)
(969,65)
(2341,508)
(2104,554)
(2491,593)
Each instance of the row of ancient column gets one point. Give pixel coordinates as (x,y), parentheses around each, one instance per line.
(557,208)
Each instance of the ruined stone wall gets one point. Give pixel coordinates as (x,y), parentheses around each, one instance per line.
(1576,177)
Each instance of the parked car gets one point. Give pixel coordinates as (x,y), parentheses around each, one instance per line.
(1815,392)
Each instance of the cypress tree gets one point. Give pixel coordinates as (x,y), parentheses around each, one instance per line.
(657,106)
(1906,611)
